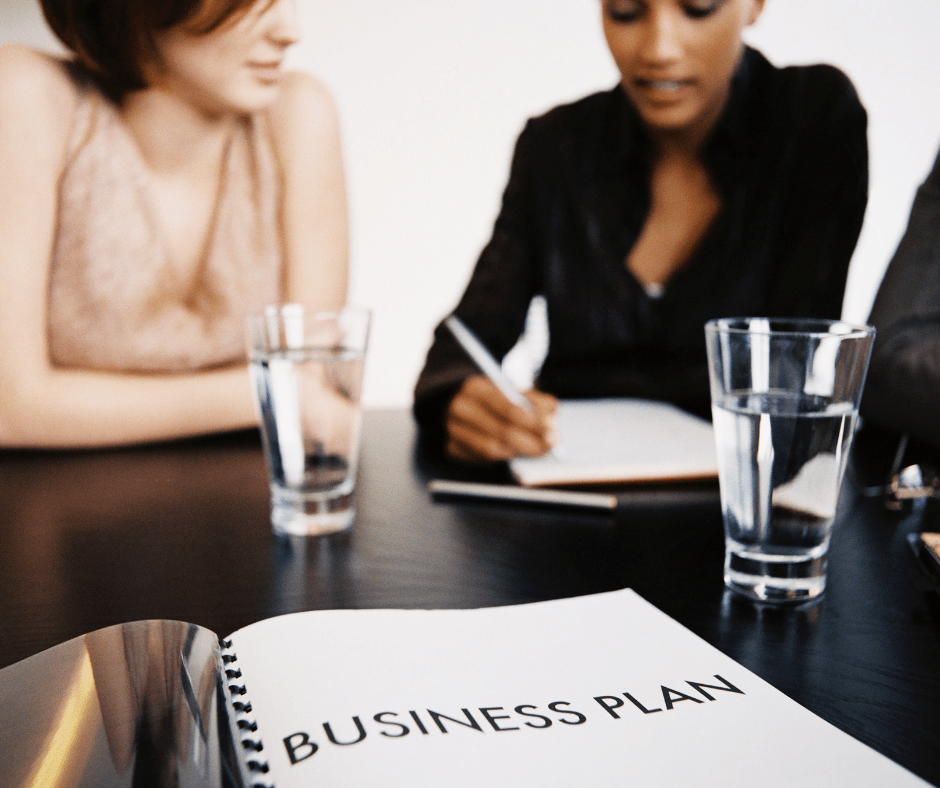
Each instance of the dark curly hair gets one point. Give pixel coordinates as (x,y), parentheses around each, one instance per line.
(115,39)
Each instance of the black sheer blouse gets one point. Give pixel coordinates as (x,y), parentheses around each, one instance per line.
(789,158)
(903,387)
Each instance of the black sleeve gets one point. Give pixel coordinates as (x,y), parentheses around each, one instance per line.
(903,387)
(822,217)
(495,304)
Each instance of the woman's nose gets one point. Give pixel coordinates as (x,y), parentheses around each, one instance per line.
(284,22)
(663,40)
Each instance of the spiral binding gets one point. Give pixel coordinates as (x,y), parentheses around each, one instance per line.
(245,724)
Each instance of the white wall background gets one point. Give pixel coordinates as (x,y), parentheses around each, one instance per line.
(432,94)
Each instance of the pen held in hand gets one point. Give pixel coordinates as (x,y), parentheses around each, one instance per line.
(490,367)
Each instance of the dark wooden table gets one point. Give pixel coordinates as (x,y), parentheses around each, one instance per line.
(181,531)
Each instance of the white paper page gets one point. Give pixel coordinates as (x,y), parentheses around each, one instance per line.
(614,440)
(814,490)
(503,666)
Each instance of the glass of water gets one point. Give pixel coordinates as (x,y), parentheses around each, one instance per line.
(306,370)
(785,395)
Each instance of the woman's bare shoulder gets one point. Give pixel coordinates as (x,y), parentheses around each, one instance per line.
(23,67)
(304,112)
(35,89)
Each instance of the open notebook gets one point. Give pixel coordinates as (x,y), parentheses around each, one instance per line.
(622,440)
(595,690)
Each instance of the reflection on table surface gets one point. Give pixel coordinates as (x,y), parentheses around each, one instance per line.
(181,531)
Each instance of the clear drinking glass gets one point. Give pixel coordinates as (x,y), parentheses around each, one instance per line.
(306,370)
(785,396)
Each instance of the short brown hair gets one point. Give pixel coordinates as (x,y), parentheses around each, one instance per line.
(114,39)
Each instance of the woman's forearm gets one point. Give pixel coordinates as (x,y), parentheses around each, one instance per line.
(66,408)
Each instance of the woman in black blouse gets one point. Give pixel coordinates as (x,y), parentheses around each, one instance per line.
(903,388)
(708,183)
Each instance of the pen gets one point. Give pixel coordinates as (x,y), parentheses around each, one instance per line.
(510,492)
(488,365)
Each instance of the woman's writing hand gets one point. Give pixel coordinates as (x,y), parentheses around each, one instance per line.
(482,425)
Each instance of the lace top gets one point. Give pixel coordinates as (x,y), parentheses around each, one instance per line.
(116,301)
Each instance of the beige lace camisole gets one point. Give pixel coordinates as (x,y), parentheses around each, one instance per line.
(115,300)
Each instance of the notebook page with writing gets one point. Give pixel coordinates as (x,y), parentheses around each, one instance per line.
(597,690)
(622,440)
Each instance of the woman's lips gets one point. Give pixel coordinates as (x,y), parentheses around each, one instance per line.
(662,89)
(267,73)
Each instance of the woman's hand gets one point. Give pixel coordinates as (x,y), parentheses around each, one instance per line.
(482,425)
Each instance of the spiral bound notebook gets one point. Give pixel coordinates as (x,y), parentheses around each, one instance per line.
(595,690)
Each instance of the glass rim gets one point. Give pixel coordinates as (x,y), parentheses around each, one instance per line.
(789,327)
(279,308)
(295,326)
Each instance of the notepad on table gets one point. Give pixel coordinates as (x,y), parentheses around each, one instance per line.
(623,440)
